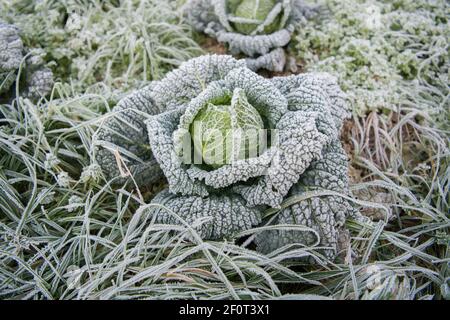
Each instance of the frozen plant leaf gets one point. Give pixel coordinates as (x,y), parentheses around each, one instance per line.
(325,214)
(124,134)
(257,28)
(35,79)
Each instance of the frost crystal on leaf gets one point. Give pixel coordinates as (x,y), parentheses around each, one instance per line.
(325,214)
(121,143)
(51,161)
(214,217)
(74,203)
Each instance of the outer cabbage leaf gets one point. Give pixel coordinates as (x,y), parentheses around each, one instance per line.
(225,215)
(300,143)
(183,84)
(124,131)
(316,92)
(254,46)
(11,54)
(274,60)
(36,80)
(273,172)
(324,214)
(254,28)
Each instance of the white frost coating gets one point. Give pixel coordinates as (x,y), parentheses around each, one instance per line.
(124,131)
(274,61)
(319,92)
(261,93)
(239,171)
(326,215)
(35,80)
(11,54)
(254,45)
(185,83)
(273,30)
(224,215)
(300,143)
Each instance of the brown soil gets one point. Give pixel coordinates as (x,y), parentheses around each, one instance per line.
(211,45)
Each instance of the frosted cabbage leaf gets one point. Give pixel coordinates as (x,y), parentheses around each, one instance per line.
(35,79)
(259,29)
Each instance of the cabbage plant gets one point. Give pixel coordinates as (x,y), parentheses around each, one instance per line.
(259,29)
(214,186)
(36,80)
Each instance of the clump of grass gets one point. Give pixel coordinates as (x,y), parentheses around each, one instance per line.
(119,43)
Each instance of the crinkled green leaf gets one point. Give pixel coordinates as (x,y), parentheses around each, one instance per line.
(191,78)
(275,60)
(221,132)
(300,143)
(316,92)
(160,133)
(257,11)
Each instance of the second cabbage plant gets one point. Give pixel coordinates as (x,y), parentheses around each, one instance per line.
(300,169)
(258,29)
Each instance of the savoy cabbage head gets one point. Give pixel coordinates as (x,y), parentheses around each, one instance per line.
(36,80)
(258,29)
(212,184)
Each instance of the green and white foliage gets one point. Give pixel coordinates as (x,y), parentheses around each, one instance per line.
(16,62)
(316,209)
(213,217)
(121,143)
(255,28)
(11,49)
(97,43)
(222,198)
(384,53)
